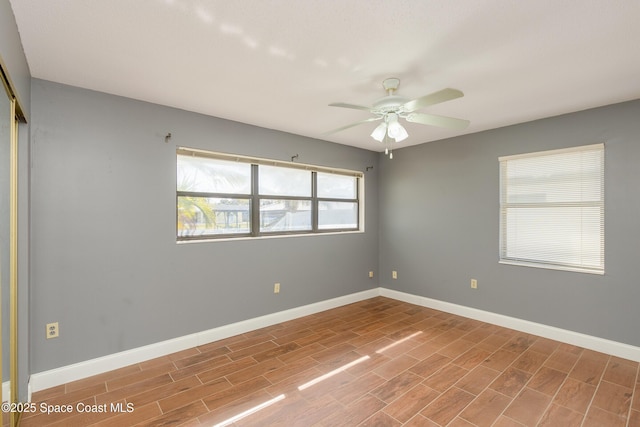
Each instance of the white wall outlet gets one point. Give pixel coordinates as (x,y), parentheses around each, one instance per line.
(276,288)
(52,330)
(474,284)
(394,274)
(371,275)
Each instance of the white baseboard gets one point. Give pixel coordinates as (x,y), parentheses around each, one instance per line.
(6,391)
(66,374)
(602,345)
(54,377)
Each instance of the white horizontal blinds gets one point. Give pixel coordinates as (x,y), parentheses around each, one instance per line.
(552,208)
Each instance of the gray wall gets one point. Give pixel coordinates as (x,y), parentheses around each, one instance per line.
(13,58)
(439,225)
(105,263)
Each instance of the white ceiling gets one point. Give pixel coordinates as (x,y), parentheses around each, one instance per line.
(278,63)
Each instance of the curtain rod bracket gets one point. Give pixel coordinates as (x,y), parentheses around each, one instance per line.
(294,157)
(167,138)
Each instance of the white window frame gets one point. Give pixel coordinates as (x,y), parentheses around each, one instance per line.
(255,198)
(531,251)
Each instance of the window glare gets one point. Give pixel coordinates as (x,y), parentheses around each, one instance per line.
(333,215)
(205,175)
(337,186)
(282,181)
(285,215)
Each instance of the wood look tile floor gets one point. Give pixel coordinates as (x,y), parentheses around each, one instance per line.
(378,362)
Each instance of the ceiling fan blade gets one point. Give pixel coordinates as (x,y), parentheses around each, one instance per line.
(431,99)
(354,106)
(441,121)
(372,119)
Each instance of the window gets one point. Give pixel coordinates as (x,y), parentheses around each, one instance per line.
(552,209)
(223,196)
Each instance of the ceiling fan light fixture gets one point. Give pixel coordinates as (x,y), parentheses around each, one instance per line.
(379,132)
(395,129)
(398,132)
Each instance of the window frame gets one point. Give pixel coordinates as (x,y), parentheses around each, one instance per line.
(255,198)
(504,206)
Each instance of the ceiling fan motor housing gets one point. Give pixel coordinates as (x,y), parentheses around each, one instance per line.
(390,103)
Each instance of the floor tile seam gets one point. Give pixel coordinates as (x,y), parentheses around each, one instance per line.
(500,372)
(242,382)
(416,412)
(626,416)
(525,386)
(633,384)
(295,360)
(406,392)
(511,365)
(145,389)
(568,409)
(362,423)
(499,392)
(201,400)
(175,368)
(510,419)
(488,387)
(441,394)
(178,369)
(553,398)
(127,398)
(73,391)
(588,408)
(391,416)
(459,415)
(616,384)
(546,408)
(106,384)
(542,353)
(91,384)
(148,419)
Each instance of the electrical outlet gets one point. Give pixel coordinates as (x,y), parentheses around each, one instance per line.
(52,330)
(474,284)
(371,275)
(276,288)
(394,274)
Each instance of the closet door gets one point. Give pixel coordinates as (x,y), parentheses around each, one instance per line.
(8,248)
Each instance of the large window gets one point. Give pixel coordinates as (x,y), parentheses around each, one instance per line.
(223,196)
(552,209)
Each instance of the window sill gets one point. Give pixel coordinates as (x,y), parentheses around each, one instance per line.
(275,236)
(551,267)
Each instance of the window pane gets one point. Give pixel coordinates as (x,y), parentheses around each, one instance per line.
(285,215)
(206,216)
(280,181)
(337,215)
(200,174)
(334,186)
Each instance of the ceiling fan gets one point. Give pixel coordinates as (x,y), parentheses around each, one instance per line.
(392,107)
